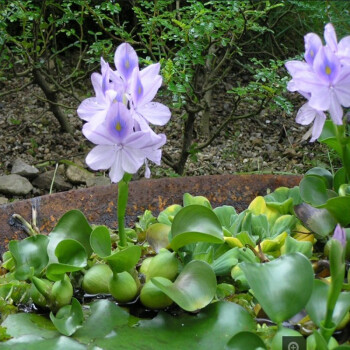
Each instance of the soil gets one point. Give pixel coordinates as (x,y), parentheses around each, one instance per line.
(271,142)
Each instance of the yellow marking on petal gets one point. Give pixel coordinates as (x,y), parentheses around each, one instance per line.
(139,91)
(328,70)
(118,127)
(127,64)
(312,54)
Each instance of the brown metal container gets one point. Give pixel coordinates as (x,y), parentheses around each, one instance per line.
(99,203)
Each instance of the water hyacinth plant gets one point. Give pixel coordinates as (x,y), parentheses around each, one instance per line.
(217,278)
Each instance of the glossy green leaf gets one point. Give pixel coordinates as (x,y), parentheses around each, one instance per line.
(157,235)
(222,266)
(284,223)
(30,342)
(211,329)
(100,241)
(246,341)
(188,199)
(71,256)
(317,220)
(339,179)
(322,172)
(329,136)
(292,245)
(110,327)
(193,289)
(72,225)
(167,215)
(283,199)
(68,318)
(317,304)
(282,286)
(125,259)
(107,315)
(339,207)
(245,238)
(260,227)
(226,215)
(29,255)
(313,190)
(195,223)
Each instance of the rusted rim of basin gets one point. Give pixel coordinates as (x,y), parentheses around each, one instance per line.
(99,203)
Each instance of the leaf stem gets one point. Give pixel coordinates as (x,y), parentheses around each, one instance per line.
(123,192)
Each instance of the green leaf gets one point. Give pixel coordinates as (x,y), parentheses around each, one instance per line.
(72,225)
(226,214)
(71,256)
(100,241)
(260,226)
(313,190)
(195,223)
(317,304)
(324,173)
(317,220)
(222,266)
(292,245)
(329,136)
(246,341)
(284,223)
(339,178)
(68,318)
(193,289)
(107,315)
(282,286)
(157,235)
(283,199)
(339,207)
(29,255)
(167,215)
(188,199)
(211,329)
(125,259)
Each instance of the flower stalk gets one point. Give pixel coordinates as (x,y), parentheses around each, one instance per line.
(123,193)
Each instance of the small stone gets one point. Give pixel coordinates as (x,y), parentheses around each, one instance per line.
(20,167)
(290,152)
(15,185)
(78,175)
(98,181)
(44,180)
(3,200)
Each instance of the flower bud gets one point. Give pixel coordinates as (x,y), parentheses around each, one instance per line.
(123,287)
(153,298)
(96,280)
(164,264)
(62,292)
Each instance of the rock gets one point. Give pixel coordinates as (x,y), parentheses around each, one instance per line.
(44,180)
(3,200)
(20,167)
(15,185)
(98,181)
(78,175)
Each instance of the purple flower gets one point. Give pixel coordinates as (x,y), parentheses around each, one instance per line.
(120,148)
(340,235)
(306,115)
(324,79)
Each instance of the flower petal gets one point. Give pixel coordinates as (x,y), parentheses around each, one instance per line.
(318,126)
(125,60)
(116,172)
(344,50)
(320,98)
(132,159)
(335,110)
(330,37)
(342,86)
(312,44)
(101,157)
(326,65)
(98,135)
(306,114)
(155,113)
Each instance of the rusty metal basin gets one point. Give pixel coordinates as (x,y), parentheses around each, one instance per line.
(99,203)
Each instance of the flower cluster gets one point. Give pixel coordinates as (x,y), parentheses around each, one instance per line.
(118,116)
(323,78)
